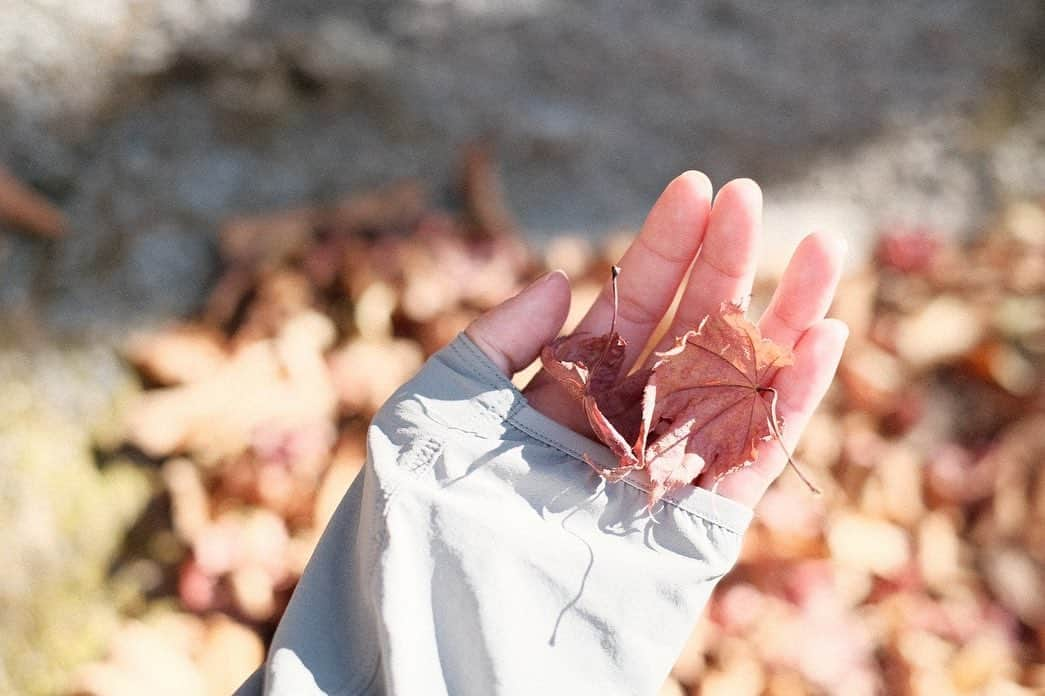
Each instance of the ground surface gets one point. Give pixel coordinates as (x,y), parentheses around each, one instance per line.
(151,121)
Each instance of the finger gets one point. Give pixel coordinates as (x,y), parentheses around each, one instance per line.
(513,333)
(806,289)
(655,263)
(725,267)
(800,388)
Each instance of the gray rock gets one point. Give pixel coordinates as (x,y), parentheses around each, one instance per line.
(168,270)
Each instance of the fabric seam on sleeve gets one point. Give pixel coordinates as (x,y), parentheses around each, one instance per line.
(666,499)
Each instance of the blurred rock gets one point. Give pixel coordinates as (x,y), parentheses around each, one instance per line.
(337,51)
(168,269)
(147,115)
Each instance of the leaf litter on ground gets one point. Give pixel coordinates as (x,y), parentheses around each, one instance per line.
(917,572)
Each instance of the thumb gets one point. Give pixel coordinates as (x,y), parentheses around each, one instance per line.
(513,333)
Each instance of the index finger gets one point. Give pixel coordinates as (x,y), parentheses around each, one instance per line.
(655,264)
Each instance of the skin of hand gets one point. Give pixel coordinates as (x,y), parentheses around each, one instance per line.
(711,244)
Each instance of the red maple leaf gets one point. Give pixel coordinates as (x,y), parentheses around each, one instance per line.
(708,396)
(591,369)
(711,398)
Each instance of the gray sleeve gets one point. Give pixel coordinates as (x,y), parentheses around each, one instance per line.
(479,554)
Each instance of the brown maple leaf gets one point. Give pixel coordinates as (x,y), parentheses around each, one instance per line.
(591,369)
(707,396)
(710,397)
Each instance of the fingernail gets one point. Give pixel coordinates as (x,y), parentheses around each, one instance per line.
(546,278)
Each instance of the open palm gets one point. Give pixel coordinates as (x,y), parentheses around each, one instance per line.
(711,246)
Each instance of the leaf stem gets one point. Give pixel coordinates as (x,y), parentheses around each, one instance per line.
(780,440)
(614,272)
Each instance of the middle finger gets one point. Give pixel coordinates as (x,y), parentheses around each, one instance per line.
(725,267)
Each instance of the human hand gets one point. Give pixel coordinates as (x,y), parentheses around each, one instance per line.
(722,236)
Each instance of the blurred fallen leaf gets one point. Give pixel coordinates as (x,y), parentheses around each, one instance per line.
(272,380)
(365,372)
(945,329)
(27,210)
(868,543)
(177,355)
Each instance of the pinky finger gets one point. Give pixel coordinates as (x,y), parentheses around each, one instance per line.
(800,389)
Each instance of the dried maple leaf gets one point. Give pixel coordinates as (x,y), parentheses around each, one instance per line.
(28,210)
(591,368)
(710,397)
(707,396)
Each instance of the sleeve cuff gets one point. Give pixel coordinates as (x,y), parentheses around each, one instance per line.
(504,400)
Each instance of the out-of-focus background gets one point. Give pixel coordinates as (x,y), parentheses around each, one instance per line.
(229,228)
